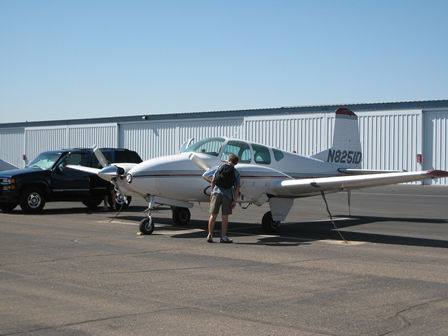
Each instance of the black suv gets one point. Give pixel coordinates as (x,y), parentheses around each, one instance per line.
(47,178)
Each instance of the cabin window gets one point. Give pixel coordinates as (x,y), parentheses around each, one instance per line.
(210,146)
(261,154)
(239,148)
(278,155)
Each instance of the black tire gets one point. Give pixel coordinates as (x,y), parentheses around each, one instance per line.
(120,204)
(269,225)
(92,204)
(7,207)
(181,216)
(32,200)
(146,225)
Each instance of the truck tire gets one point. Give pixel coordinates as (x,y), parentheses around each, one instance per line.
(7,207)
(32,200)
(92,204)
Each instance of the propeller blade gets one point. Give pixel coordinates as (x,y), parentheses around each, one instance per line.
(100,156)
(199,162)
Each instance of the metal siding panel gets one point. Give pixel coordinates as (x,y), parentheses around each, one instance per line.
(87,136)
(12,146)
(436,143)
(159,139)
(301,133)
(43,139)
(389,140)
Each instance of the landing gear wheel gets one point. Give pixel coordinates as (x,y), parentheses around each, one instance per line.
(32,200)
(269,225)
(122,202)
(181,216)
(146,225)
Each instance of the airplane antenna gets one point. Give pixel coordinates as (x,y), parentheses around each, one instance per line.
(349,197)
(331,218)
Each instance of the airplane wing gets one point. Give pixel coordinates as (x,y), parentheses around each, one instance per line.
(313,186)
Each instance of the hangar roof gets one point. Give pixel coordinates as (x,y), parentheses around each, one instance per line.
(421,105)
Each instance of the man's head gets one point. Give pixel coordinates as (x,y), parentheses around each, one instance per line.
(233,159)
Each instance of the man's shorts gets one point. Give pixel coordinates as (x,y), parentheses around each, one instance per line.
(220,200)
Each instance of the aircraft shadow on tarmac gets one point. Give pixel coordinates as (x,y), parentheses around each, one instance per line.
(302,233)
(292,234)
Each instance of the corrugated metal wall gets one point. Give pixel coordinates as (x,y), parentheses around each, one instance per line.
(300,133)
(39,139)
(391,140)
(436,143)
(153,139)
(12,146)
(104,135)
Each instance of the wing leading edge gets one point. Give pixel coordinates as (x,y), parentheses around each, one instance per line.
(313,186)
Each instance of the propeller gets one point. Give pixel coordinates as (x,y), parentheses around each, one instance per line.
(201,163)
(100,156)
(109,172)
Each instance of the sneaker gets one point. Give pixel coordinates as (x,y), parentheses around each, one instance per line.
(226,240)
(209,239)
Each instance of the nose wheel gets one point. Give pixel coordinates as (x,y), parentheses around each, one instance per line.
(146,225)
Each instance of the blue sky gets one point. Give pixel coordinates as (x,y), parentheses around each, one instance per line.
(74,59)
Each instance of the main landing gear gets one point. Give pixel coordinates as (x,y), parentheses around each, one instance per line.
(269,225)
(181,217)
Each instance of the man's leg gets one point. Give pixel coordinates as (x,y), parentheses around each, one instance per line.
(224,225)
(211,223)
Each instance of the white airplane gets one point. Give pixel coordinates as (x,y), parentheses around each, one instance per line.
(267,174)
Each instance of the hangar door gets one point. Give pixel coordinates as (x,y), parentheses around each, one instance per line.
(39,139)
(11,146)
(436,144)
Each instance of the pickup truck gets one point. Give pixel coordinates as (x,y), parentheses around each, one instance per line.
(47,178)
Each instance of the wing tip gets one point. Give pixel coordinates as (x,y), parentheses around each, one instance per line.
(438,173)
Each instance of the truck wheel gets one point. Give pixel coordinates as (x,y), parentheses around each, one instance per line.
(32,200)
(92,204)
(7,207)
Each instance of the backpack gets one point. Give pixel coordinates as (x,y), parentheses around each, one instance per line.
(225,176)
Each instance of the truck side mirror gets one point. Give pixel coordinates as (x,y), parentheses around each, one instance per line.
(60,168)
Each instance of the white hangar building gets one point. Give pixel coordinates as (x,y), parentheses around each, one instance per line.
(394,136)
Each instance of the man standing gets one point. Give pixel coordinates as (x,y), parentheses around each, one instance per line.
(225,190)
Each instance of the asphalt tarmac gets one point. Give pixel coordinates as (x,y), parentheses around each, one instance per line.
(70,271)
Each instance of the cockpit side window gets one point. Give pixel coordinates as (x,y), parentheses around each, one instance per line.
(261,154)
(210,146)
(278,155)
(239,148)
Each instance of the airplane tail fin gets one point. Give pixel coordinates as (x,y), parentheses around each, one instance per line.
(346,149)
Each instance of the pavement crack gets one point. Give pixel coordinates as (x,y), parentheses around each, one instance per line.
(404,321)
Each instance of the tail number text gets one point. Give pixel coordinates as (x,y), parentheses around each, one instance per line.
(344,156)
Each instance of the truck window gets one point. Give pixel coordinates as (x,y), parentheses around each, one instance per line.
(78,159)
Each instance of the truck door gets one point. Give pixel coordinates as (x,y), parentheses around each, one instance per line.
(71,184)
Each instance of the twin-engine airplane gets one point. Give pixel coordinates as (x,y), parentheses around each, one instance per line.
(267,174)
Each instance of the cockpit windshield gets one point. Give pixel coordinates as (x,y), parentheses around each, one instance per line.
(210,146)
(44,160)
